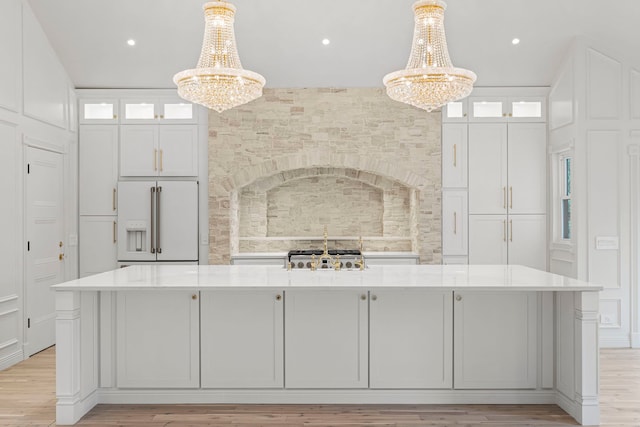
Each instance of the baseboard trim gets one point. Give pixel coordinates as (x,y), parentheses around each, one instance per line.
(70,410)
(469,397)
(635,340)
(615,342)
(11,359)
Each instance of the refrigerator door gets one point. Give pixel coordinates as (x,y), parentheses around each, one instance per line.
(177,221)
(136,221)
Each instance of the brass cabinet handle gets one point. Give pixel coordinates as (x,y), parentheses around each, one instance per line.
(155,117)
(504,197)
(511,234)
(60,244)
(363,297)
(504,231)
(464,115)
(162,116)
(504,114)
(194,296)
(113,199)
(115,116)
(455,155)
(374,298)
(61,257)
(458,297)
(155,159)
(115,240)
(160,160)
(510,114)
(455,223)
(510,197)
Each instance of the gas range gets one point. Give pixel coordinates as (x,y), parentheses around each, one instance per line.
(305,259)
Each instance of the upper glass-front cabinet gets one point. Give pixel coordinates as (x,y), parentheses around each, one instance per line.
(455,111)
(157,111)
(496,109)
(98,111)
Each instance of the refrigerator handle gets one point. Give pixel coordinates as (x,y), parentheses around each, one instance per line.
(159,248)
(153,231)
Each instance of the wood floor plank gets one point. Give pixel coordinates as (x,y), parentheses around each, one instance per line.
(27,398)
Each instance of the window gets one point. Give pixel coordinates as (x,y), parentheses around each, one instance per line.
(565,196)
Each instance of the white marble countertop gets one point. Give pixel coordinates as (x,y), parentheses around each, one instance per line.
(455,277)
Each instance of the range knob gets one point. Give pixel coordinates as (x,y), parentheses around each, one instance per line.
(300,264)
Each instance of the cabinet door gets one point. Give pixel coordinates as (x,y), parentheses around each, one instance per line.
(98,247)
(242,339)
(178,150)
(177,112)
(98,111)
(455,111)
(528,240)
(98,169)
(527,109)
(454,222)
(487,168)
(138,150)
(495,338)
(326,339)
(411,339)
(488,109)
(527,168)
(158,339)
(454,155)
(488,239)
(139,111)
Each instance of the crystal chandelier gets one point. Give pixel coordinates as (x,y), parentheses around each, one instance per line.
(430,80)
(219,82)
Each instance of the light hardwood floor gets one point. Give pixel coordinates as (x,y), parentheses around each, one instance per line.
(27,398)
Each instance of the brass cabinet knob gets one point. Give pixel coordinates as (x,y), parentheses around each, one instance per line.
(61,257)
(194,296)
(363,297)
(458,297)
(60,244)
(278,297)
(374,298)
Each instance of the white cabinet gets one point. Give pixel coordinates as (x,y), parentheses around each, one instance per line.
(488,239)
(485,109)
(98,244)
(98,169)
(495,340)
(152,150)
(457,111)
(527,240)
(242,339)
(410,339)
(326,338)
(454,155)
(157,339)
(161,111)
(488,168)
(98,111)
(454,222)
(527,164)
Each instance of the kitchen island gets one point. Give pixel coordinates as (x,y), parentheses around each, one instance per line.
(417,334)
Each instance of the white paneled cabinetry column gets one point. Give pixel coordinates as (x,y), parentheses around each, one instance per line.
(494,193)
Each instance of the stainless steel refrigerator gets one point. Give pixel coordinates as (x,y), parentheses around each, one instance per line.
(157,221)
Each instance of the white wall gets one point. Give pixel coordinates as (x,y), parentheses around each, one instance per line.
(37,107)
(595,116)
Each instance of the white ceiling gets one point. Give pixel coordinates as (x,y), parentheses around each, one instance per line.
(281,39)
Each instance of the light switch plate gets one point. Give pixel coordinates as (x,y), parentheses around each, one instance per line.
(607,243)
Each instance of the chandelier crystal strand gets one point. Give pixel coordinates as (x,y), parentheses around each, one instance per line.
(219,82)
(430,80)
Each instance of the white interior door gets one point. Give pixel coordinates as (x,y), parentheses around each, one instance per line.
(45,247)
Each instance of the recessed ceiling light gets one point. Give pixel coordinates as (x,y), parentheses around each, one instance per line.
(131,42)
(326,42)
(515,41)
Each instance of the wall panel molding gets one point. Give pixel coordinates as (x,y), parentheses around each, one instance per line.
(634,94)
(634,231)
(604,86)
